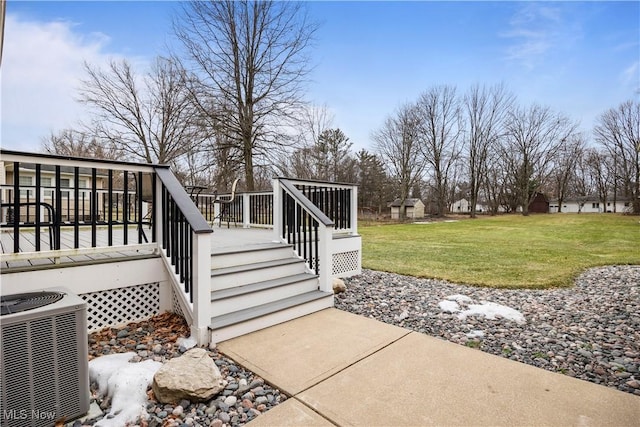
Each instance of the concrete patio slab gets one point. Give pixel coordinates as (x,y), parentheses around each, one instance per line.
(290,413)
(421,381)
(299,354)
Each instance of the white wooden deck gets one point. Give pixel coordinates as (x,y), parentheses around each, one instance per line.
(222,240)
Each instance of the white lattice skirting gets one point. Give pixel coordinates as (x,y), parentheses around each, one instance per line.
(175,303)
(346,264)
(122,305)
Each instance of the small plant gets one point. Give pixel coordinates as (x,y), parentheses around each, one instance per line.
(507,351)
(540,355)
(563,371)
(472,344)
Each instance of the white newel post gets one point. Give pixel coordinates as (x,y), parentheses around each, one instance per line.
(157,216)
(354,210)
(246,213)
(326,261)
(277,211)
(201,287)
(216,215)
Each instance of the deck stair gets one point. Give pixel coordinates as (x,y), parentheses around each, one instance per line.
(258,286)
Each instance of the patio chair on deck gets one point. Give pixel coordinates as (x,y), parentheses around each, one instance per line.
(225,206)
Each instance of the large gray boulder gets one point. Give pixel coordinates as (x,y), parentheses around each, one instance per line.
(193,376)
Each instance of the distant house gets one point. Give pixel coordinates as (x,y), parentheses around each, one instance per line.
(413,208)
(27,183)
(539,204)
(463,206)
(590,204)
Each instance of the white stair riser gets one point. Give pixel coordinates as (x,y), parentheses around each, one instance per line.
(282,316)
(252,299)
(241,278)
(247,258)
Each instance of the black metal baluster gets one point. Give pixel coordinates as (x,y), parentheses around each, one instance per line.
(125,207)
(16,207)
(110,208)
(58,213)
(76,197)
(93,206)
(38,203)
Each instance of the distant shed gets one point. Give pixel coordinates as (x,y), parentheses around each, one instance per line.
(413,208)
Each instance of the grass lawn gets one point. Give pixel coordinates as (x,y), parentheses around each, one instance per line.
(508,251)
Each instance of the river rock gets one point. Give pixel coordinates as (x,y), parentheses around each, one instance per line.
(338,286)
(193,376)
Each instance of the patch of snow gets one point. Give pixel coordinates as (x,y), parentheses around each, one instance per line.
(475,334)
(186,343)
(449,306)
(125,384)
(491,310)
(101,368)
(459,298)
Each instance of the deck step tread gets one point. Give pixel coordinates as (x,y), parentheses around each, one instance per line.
(249,248)
(254,266)
(260,286)
(264,309)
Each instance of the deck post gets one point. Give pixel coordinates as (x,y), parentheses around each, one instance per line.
(246,213)
(157,214)
(354,210)
(326,258)
(201,287)
(277,211)
(216,215)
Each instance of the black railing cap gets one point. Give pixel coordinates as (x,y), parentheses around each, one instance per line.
(317,181)
(79,159)
(190,211)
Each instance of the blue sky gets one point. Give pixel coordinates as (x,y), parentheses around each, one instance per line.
(580,58)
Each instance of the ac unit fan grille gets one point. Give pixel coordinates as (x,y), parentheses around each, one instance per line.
(28,301)
(44,365)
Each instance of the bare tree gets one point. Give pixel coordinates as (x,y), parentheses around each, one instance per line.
(440,131)
(250,58)
(70,142)
(149,118)
(486,109)
(304,159)
(494,185)
(618,130)
(398,146)
(534,137)
(596,176)
(564,167)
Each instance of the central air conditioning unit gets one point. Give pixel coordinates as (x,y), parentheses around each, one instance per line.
(44,358)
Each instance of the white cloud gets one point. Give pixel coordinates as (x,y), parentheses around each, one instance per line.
(535,31)
(42,65)
(631,75)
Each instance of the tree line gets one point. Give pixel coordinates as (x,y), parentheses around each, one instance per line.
(229,103)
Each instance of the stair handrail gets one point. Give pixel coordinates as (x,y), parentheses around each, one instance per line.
(184,203)
(184,238)
(316,251)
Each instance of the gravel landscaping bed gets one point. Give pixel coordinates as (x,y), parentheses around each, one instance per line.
(245,396)
(590,331)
